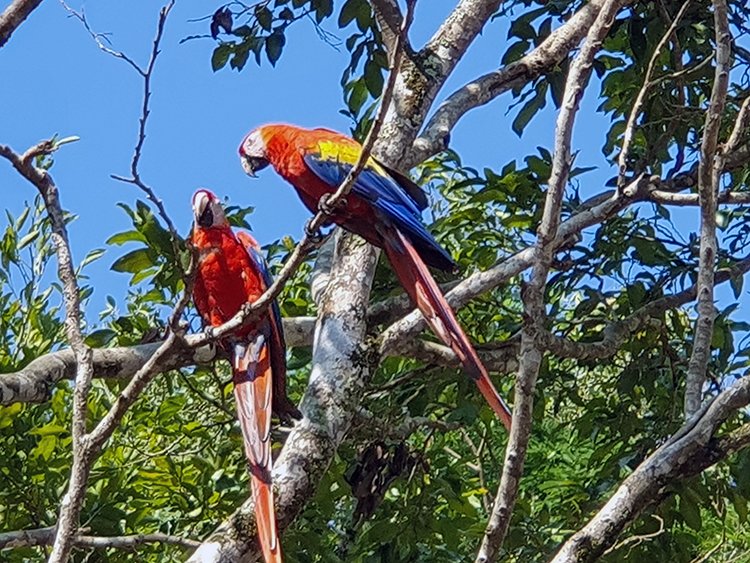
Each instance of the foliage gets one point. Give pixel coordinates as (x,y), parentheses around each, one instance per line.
(176,465)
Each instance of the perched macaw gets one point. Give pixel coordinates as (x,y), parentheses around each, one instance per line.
(231,272)
(384,208)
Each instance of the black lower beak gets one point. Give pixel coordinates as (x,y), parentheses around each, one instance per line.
(206,218)
(252,164)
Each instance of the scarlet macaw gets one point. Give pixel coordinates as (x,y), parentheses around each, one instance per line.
(231,272)
(384,207)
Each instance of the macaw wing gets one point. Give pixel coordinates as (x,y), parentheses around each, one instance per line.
(331,163)
(282,406)
(261,266)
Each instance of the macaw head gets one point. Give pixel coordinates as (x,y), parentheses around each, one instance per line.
(207,210)
(253,153)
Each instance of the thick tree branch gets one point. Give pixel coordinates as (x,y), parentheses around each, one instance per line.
(709,175)
(424,75)
(530,354)
(13,16)
(46,536)
(35,382)
(691,450)
(478,92)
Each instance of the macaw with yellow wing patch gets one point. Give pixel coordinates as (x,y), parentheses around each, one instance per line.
(231,272)
(384,207)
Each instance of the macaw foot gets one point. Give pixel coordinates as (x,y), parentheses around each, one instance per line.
(209,332)
(313,233)
(328,207)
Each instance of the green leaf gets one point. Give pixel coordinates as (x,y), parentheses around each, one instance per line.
(373,78)
(264,16)
(133,262)
(100,338)
(127,236)
(690,512)
(358,96)
(274,46)
(349,12)
(736,283)
(528,111)
(221,56)
(51,429)
(92,256)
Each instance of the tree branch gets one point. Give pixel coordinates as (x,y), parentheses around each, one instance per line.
(71,503)
(425,74)
(46,536)
(530,354)
(691,450)
(709,175)
(553,50)
(13,16)
(35,382)
(615,333)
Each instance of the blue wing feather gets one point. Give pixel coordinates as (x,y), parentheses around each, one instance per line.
(262,266)
(389,199)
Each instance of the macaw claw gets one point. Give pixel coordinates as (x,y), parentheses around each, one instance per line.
(327,206)
(313,233)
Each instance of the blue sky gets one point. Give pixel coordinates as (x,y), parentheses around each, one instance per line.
(55,80)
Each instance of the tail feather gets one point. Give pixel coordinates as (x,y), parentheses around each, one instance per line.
(253,392)
(415,277)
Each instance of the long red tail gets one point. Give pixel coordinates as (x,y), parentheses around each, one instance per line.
(414,275)
(253,391)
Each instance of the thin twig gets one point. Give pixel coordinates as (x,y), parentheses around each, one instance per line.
(740,127)
(640,538)
(146,74)
(622,161)
(100,38)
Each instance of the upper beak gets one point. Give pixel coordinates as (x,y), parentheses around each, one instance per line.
(199,208)
(202,211)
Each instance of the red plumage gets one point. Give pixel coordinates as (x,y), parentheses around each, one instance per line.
(231,273)
(384,208)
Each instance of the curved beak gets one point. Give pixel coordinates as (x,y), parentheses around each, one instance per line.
(251,164)
(202,213)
